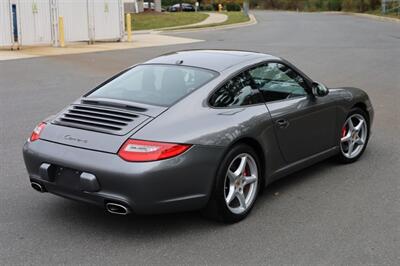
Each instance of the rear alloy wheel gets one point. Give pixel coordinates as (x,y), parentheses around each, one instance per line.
(237,184)
(354,136)
(241,182)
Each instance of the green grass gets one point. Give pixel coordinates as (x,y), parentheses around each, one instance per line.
(233,17)
(379,13)
(153,20)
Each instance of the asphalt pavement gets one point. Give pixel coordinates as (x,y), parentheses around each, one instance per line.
(327,214)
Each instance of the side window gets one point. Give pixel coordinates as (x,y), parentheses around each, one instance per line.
(277,82)
(239,91)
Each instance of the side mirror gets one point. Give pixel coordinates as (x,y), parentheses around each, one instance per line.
(319,89)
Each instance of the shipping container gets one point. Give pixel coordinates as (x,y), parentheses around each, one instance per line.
(35,22)
(75,15)
(6,30)
(107,20)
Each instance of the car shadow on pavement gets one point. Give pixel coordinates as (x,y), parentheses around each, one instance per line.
(305,175)
(86,217)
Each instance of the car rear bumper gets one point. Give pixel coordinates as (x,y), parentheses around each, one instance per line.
(172,185)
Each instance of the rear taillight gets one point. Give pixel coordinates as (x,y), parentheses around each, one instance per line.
(145,151)
(36,132)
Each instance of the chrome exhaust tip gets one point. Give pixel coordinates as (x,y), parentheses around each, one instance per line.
(38,187)
(116,208)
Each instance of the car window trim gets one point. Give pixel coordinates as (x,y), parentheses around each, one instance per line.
(307,96)
(308,82)
(306,79)
(293,69)
(223,83)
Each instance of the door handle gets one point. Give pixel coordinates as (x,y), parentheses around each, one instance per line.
(282,123)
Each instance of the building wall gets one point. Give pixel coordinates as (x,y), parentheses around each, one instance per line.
(131,6)
(140,6)
(5,24)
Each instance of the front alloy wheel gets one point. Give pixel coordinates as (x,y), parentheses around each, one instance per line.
(354,136)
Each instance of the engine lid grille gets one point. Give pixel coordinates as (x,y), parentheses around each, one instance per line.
(98,118)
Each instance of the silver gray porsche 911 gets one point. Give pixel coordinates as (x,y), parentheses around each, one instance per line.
(195,130)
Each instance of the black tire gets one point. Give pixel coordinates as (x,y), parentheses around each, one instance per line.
(217,208)
(341,157)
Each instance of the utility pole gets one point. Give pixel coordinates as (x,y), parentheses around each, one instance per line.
(157,5)
(246,8)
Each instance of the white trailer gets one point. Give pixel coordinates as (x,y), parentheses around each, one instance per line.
(5,24)
(75,15)
(106,20)
(35,22)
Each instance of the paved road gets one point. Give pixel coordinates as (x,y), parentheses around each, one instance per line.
(327,214)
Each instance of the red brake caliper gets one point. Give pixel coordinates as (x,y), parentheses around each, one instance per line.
(344,131)
(246,172)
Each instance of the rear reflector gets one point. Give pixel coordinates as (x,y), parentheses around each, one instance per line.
(36,132)
(145,151)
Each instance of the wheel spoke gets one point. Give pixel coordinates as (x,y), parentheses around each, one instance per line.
(232,177)
(242,199)
(231,194)
(346,138)
(360,141)
(350,149)
(242,166)
(249,179)
(359,125)
(351,125)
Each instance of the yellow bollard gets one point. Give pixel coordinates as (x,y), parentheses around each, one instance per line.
(219,7)
(129,27)
(61,31)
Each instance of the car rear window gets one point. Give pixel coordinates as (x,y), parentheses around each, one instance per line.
(154,84)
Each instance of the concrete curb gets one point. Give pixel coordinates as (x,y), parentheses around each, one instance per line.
(252,21)
(143,32)
(370,16)
(140,41)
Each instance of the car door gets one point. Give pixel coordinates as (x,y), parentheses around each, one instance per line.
(304,124)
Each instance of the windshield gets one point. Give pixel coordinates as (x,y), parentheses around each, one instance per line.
(154,84)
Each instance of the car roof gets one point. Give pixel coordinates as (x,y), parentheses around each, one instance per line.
(217,60)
